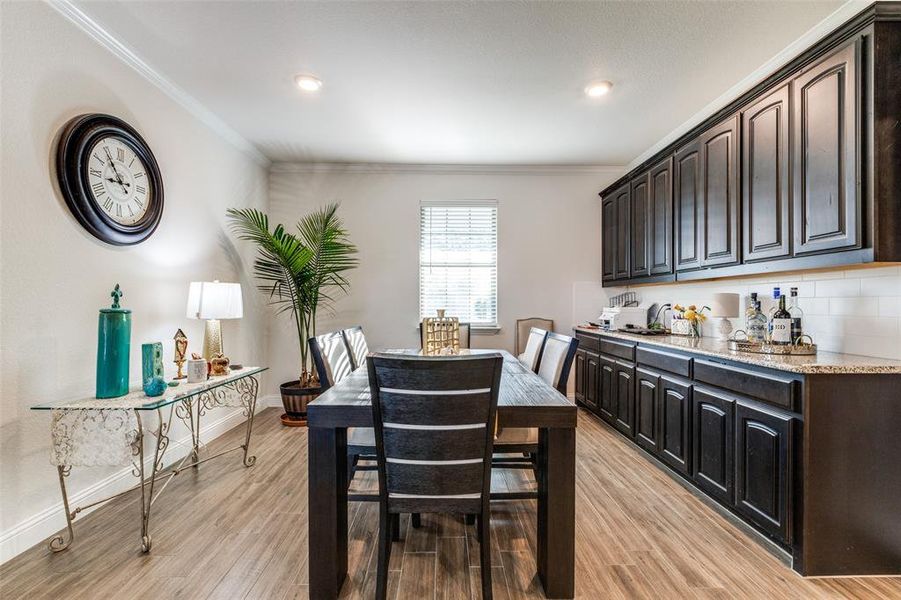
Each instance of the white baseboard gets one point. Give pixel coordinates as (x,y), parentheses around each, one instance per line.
(45,523)
(270,401)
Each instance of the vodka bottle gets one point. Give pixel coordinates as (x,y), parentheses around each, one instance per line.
(781,325)
(796,315)
(757,325)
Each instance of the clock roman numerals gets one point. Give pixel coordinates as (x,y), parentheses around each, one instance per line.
(98,188)
(140,189)
(96,172)
(108,204)
(120,154)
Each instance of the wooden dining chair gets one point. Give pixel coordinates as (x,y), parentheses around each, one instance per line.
(524,328)
(434,430)
(464,336)
(555,364)
(356,343)
(531,354)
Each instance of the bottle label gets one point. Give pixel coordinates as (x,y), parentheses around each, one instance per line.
(796,329)
(782,331)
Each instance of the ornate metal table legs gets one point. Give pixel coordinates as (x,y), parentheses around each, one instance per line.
(58,544)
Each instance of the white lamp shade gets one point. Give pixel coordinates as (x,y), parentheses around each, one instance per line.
(215,300)
(724,305)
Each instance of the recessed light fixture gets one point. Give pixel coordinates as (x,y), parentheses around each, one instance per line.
(596,89)
(308,83)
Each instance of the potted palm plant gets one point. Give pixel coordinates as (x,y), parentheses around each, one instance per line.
(301,273)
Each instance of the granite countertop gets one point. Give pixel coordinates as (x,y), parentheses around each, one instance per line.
(822,362)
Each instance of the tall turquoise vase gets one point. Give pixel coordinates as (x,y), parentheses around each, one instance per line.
(113,347)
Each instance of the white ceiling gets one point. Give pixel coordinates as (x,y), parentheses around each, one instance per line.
(461,82)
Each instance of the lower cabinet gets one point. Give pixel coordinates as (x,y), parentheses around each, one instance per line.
(647,386)
(625,398)
(675,423)
(763,447)
(592,381)
(607,390)
(579,375)
(713,447)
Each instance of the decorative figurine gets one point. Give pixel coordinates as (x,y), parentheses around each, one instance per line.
(113,343)
(155,386)
(152,368)
(219,365)
(181,346)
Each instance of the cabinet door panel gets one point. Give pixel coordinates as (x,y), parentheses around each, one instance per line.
(624,390)
(765,166)
(607,390)
(827,200)
(763,453)
(592,384)
(660,218)
(712,443)
(675,423)
(623,232)
(687,202)
(719,212)
(640,229)
(608,240)
(646,428)
(579,375)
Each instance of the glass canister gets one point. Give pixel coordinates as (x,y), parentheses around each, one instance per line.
(113,347)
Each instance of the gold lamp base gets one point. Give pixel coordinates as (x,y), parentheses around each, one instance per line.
(212,339)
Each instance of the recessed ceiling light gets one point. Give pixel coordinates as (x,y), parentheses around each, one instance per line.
(598,88)
(308,83)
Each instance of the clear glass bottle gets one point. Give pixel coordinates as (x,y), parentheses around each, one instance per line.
(757,324)
(781,325)
(796,315)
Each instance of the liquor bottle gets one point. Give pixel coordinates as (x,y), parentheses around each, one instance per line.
(772,311)
(781,325)
(796,314)
(757,324)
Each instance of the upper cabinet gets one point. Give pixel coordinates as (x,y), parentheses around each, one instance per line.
(766,213)
(827,200)
(802,174)
(719,210)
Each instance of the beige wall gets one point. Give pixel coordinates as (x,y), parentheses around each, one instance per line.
(548,240)
(54,276)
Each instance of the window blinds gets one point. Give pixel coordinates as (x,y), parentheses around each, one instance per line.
(458,261)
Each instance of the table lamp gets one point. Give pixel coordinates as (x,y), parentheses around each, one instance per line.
(212,301)
(724,306)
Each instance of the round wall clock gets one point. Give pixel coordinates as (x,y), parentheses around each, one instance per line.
(109,179)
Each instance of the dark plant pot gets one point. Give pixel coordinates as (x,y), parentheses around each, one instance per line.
(295,399)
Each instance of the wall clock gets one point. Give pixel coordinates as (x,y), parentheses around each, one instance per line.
(109,179)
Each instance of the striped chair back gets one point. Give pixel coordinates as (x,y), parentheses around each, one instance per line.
(434,433)
(331,357)
(356,341)
(557,359)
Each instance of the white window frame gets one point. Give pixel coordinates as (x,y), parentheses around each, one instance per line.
(480,328)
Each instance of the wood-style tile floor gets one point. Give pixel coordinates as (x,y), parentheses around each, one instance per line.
(230,532)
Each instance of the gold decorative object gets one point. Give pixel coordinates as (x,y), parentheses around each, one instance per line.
(181,347)
(441,335)
(219,365)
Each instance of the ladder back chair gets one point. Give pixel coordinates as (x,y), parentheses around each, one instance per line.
(434,432)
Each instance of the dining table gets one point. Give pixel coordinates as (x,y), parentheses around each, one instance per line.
(525,400)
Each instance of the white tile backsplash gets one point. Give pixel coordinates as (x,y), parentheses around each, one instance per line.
(855,311)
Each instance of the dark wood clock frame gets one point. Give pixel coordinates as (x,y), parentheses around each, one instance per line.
(72,157)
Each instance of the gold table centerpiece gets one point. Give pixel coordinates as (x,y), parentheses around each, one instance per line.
(440,335)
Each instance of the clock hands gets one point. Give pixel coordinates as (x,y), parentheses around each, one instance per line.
(115,172)
(122,183)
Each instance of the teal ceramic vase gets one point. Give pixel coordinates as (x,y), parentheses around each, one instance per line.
(113,346)
(152,367)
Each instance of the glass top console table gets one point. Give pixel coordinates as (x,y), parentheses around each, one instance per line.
(92,432)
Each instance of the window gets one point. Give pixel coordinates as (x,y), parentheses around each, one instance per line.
(458,261)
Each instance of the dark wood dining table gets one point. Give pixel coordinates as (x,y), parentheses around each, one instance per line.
(525,400)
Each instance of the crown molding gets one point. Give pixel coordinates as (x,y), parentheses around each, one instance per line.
(842,14)
(393,168)
(96,31)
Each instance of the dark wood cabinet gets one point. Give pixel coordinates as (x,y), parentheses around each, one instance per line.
(675,423)
(607,390)
(640,232)
(766,206)
(713,448)
(827,199)
(660,218)
(579,375)
(687,203)
(718,215)
(647,431)
(608,239)
(592,379)
(622,199)
(763,466)
(625,398)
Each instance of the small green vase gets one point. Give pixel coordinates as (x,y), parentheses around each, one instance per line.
(113,347)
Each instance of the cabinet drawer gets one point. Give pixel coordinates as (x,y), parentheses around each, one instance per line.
(588,342)
(623,350)
(781,391)
(667,361)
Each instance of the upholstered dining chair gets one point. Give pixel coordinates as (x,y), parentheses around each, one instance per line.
(464,335)
(356,342)
(531,355)
(554,367)
(434,430)
(524,328)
